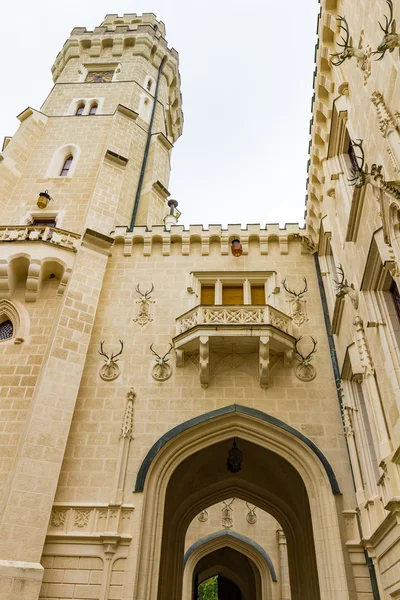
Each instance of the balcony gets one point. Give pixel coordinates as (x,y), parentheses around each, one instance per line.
(207,330)
(52,235)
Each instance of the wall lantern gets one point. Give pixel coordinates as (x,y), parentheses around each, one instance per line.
(44,199)
(234,461)
(236,247)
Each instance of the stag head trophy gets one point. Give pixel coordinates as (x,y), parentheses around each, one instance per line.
(297,305)
(359,170)
(161,370)
(251,516)
(391,39)
(110,370)
(343,288)
(304,370)
(143,315)
(227,521)
(348,50)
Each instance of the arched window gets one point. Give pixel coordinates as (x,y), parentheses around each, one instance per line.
(149,85)
(6,330)
(66,166)
(80,108)
(93,109)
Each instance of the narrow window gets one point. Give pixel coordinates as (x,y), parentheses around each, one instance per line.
(93,109)
(80,108)
(232,294)
(6,330)
(66,166)
(394,291)
(208,295)
(257,294)
(149,83)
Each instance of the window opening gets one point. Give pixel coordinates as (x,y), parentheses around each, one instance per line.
(257,294)
(208,295)
(66,166)
(232,294)
(149,84)
(93,109)
(79,110)
(394,292)
(6,330)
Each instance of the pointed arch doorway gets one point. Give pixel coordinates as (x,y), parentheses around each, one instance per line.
(283,473)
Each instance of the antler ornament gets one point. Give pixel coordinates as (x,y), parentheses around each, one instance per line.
(391,39)
(251,516)
(227,521)
(110,370)
(343,288)
(304,370)
(297,304)
(143,315)
(161,371)
(348,50)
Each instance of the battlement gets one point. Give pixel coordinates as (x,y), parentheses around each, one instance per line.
(214,233)
(114,21)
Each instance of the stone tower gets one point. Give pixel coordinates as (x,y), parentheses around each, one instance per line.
(190,405)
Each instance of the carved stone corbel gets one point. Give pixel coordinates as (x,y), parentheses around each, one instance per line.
(362,347)
(204,361)
(264,361)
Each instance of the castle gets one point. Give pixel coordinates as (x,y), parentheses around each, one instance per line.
(186,406)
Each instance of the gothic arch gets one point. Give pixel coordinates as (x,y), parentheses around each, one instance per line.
(241,544)
(313,536)
(245,410)
(16,313)
(257,556)
(59,157)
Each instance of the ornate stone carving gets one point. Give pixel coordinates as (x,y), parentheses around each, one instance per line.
(161,371)
(143,312)
(251,516)
(297,305)
(127,422)
(306,241)
(203,516)
(52,235)
(264,361)
(304,370)
(204,361)
(58,518)
(110,370)
(81,518)
(347,51)
(362,347)
(227,520)
(389,124)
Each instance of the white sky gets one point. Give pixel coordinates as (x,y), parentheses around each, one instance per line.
(246,70)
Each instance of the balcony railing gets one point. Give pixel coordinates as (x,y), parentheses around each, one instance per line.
(52,235)
(234,315)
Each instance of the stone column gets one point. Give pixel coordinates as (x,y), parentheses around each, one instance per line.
(284,566)
(27,503)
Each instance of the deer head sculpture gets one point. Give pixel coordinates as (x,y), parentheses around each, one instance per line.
(110,370)
(359,171)
(251,516)
(343,288)
(298,309)
(391,39)
(161,370)
(305,360)
(143,315)
(296,295)
(348,50)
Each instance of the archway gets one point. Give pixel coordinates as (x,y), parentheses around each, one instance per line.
(236,577)
(283,473)
(204,559)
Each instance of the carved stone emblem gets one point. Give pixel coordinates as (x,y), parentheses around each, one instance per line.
(251,516)
(161,371)
(58,517)
(203,516)
(81,518)
(304,370)
(227,521)
(297,305)
(143,314)
(110,370)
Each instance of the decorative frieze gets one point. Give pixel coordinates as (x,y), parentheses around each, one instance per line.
(50,235)
(68,520)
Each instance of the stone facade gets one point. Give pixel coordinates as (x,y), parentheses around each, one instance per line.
(138,356)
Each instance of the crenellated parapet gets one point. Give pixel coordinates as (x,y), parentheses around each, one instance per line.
(215,234)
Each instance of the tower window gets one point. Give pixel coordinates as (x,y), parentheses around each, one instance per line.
(149,85)
(80,109)
(66,166)
(6,330)
(93,109)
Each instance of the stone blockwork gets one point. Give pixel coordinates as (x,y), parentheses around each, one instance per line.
(227,383)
